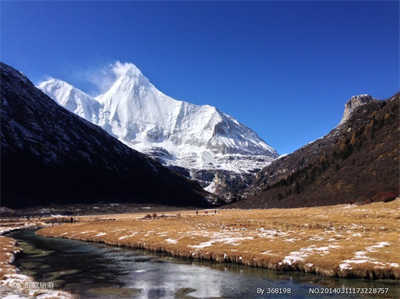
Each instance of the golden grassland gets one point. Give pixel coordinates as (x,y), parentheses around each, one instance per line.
(341,240)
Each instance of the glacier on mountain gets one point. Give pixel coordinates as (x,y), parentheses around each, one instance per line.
(177,133)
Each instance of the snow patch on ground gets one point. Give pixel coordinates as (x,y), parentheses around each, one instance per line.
(128,236)
(86,232)
(171,241)
(268,252)
(344,266)
(290,240)
(270,233)
(303,253)
(229,241)
(360,257)
(317,238)
(374,248)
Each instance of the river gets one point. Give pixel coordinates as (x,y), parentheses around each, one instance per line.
(101,271)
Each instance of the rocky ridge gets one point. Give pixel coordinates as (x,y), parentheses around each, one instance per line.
(356,162)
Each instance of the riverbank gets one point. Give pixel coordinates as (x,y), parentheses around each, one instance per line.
(343,241)
(12,283)
(8,246)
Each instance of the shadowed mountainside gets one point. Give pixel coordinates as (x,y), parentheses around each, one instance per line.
(356,162)
(49,156)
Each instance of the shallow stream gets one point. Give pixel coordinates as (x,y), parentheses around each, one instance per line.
(101,271)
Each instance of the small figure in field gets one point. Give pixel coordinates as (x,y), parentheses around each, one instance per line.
(197,212)
(215,211)
(72,220)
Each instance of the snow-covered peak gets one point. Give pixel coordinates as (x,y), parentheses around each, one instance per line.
(125,69)
(191,136)
(125,77)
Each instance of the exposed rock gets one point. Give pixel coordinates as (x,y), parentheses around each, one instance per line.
(353,103)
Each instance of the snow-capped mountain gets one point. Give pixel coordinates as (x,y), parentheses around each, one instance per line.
(175,132)
(50,155)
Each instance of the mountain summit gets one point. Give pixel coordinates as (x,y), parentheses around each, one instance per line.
(353,103)
(177,133)
(50,155)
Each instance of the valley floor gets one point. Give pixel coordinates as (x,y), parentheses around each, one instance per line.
(343,240)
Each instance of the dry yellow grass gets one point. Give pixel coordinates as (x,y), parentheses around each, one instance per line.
(342,240)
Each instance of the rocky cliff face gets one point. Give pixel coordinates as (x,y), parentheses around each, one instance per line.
(50,155)
(352,104)
(356,162)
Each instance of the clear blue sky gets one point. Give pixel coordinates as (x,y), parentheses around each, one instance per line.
(285,69)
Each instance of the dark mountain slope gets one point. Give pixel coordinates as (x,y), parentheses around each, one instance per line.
(356,162)
(49,155)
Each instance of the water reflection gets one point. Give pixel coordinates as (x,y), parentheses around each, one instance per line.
(100,271)
(166,279)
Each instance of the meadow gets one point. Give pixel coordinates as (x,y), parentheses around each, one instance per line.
(342,240)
